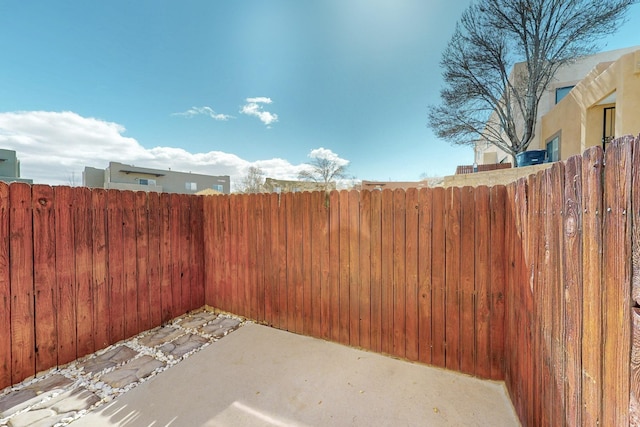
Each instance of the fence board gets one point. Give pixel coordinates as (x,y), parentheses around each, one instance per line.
(308,262)
(323,226)
(467,281)
(232,283)
(634,398)
(364,298)
(275,253)
(497,238)
(452,279)
(153,268)
(251,287)
(572,269)
(536,242)
(344,267)
(5,295)
(100,264)
(84,271)
(411,273)
(316,256)
(130,291)
(142,262)
(197,252)
(166,295)
(399,273)
(334,271)
(354,268)
(115,239)
(185,254)
(387,271)
(616,268)
(376,271)
(482,267)
(44,277)
(425,340)
(438,279)
(23,362)
(293,253)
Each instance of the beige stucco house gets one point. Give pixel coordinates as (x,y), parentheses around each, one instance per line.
(594,84)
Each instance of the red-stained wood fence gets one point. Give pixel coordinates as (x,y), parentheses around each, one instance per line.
(536,283)
(389,271)
(81,269)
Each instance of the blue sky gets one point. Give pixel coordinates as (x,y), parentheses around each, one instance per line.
(214,86)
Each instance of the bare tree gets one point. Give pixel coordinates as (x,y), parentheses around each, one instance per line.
(253,181)
(325,168)
(501,59)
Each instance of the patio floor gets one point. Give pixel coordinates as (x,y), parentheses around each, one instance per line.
(260,376)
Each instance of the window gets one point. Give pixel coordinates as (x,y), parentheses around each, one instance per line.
(218,187)
(553,149)
(142,181)
(561,92)
(191,186)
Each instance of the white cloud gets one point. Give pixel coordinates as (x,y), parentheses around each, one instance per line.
(253,107)
(325,153)
(204,111)
(54,147)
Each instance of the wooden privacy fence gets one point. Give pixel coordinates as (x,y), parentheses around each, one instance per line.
(569,311)
(390,271)
(530,283)
(81,269)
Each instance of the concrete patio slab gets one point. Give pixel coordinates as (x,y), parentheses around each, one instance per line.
(260,376)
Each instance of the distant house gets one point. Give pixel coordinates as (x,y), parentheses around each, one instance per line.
(272,185)
(604,82)
(392,185)
(121,176)
(10,167)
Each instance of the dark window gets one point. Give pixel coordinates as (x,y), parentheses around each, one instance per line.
(553,149)
(561,92)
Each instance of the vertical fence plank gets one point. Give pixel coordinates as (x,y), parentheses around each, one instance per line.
(262,236)
(251,286)
(21,267)
(399,273)
(354,268)
(322,212)
(100,254)
(307,262)
(130,291)
(66,318)
(317,240)
(482,277)
(166,295)
(212,244)
(274,263)
(572,268)
(44,277)
(115,241)
(546,291)
(153,267)
(142,262)
(344,267)
(282,243)
(197,252)
(334,255)
(592,345)
(425,339)
(364,298)
(297,284)
(232,283)
(533,261)
(186,253)
(452,267)
(497,297)
(84,270)
(411,289)
(264,249)
(293,253)
(5,294)
(617,285)
(634,404)
(376,270)
(438,279)
(467,281)
(387,272)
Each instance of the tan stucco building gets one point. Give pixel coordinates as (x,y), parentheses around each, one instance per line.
(603,105)
(589,82)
